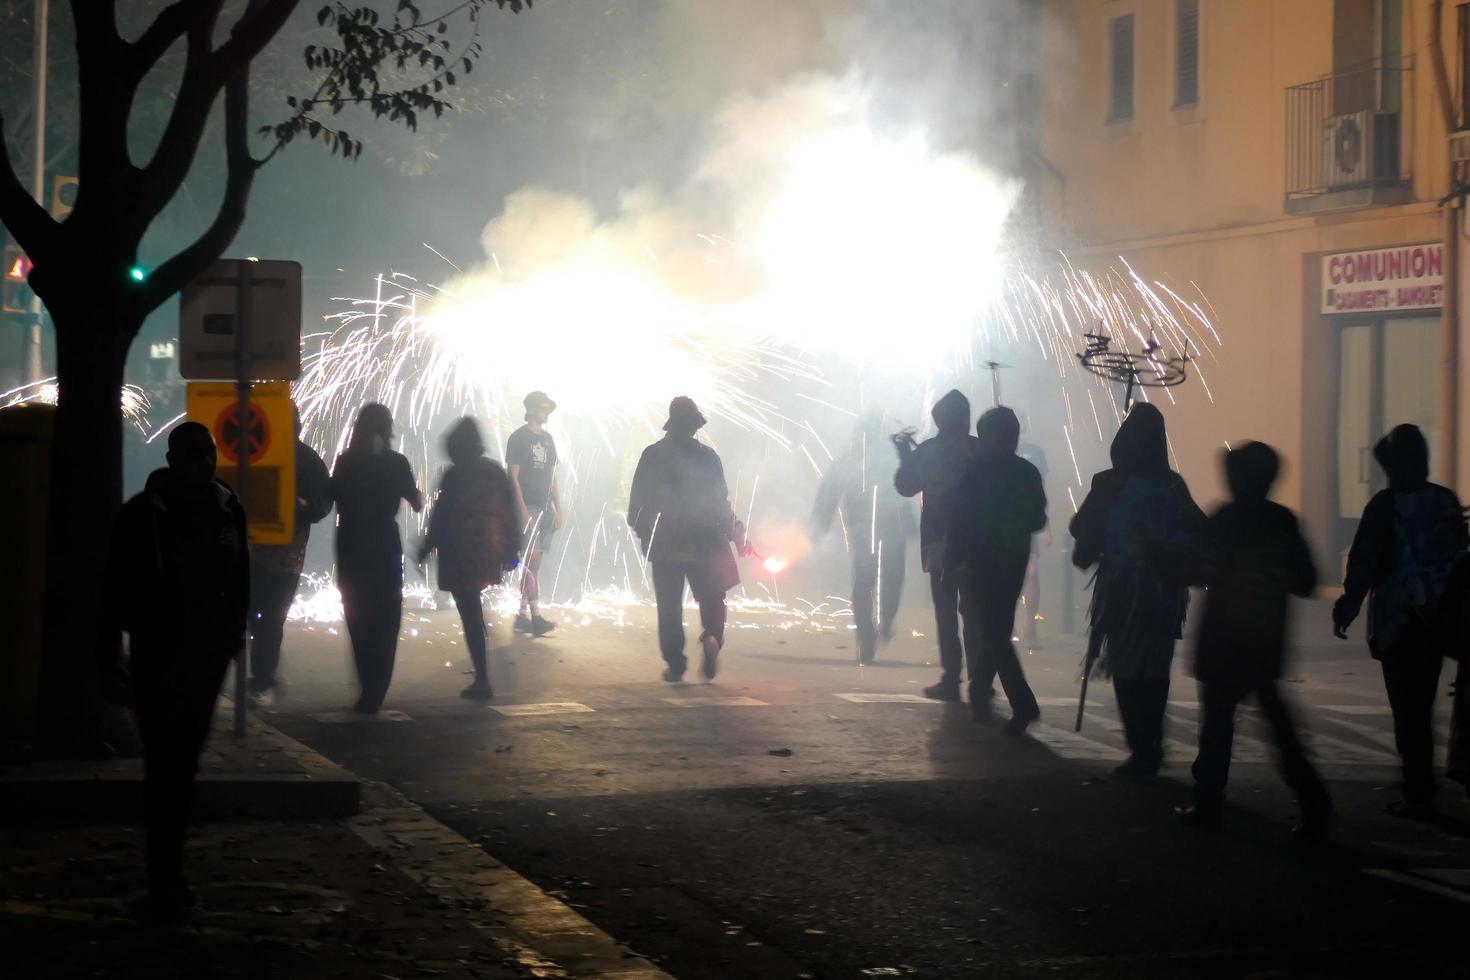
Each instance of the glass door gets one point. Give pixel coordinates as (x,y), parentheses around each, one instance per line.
(1388,373)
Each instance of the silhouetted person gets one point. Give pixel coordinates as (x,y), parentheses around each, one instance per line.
(369,481)
(934,469)
(474,527)
(178,583)
(878,522)
(530,458)
(997,507)
(1457,637)
(679,507)
(1410,538)
(1031,589)
(1135,513)
(1252,559)
(275,571)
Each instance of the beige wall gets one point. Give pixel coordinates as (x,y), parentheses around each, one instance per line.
(1197,197)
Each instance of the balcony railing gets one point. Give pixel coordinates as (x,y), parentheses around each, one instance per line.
(1348,141)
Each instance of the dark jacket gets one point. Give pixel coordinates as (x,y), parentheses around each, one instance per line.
(934,469)
(999,503)
(368,488)
(679,507)
(178,573)
(313,502)
(1409,540)
(473,525)
(1138,525)
(1253,558)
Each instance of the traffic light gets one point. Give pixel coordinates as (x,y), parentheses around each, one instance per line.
(17,271)
(63,196)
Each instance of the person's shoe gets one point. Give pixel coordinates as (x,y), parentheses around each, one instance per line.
(1018,723)
(673,675)
(540,626)
(523,623)
(943,691)
(1137,770)
(867,652)
(885,632)
(1406,810)
(363,708)
(710,664)
(480,690)
(1314,822)
(263,699)
(1201,816)
(168,905)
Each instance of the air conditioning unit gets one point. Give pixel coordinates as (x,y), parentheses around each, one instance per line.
(1360,148)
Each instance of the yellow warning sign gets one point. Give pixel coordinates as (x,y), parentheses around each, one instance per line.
(267,438)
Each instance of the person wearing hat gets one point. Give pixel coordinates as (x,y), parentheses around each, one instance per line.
(530,458)
(679,507)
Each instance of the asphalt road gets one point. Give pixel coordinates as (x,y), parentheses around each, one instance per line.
(780,823)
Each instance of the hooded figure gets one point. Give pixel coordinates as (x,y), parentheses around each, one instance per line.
(999,504)
(1408,544)
(878,523)
(934,469)
(679,506)
(1253,558)
(474,528)
(1137,525)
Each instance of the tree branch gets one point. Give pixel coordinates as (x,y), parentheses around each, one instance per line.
(257,27)
(26,219)
(178,271)
(166,29)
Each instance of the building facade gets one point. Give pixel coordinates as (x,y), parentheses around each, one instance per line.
(1293,160)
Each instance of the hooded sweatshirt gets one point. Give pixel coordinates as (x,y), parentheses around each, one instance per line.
(1409,540)
(999,503)
(935,469)
(1252,560)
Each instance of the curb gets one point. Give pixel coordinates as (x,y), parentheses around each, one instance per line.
(540,933)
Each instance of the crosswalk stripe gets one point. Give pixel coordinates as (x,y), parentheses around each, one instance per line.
(1070,745)
(359,717)
(715,702)
(862,697)
(1423,884)
(549,708)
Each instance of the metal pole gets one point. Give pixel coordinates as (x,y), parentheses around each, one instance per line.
(38,173)
(242,482)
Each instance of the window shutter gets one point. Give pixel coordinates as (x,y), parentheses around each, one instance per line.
(1121,103)
(1186,52)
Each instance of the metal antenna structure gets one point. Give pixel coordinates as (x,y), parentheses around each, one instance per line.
(1148,368)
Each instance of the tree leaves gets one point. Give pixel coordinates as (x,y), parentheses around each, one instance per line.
(365,64)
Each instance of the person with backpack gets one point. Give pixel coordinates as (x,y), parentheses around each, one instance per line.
(1252,559)
(1409,541)
(474,528)
(1138,524)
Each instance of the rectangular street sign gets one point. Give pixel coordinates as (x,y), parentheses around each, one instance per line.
(209,311)
(269,438)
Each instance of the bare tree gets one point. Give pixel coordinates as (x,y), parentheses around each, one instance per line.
(395,65)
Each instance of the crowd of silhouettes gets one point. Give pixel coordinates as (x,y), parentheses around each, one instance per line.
(186,588)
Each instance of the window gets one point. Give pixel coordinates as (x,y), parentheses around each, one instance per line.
(1186,53)
(1120,101)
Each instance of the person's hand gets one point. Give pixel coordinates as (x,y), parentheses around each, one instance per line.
(1339,630)
(1046,537)
(556,520)
(424,551)
(737,533)
(525,516)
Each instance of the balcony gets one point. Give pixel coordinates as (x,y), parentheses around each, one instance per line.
(1348,141)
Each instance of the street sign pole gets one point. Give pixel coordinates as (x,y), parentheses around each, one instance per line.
(242,482)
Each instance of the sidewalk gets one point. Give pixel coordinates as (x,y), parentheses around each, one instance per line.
(388,893)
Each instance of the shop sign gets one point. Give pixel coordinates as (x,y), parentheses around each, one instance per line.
(1401,277)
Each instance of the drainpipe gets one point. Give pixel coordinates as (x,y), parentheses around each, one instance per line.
(1449,346)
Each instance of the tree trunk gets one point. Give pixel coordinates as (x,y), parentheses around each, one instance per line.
(86,489)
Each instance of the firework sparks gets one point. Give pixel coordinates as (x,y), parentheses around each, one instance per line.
(135,403)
